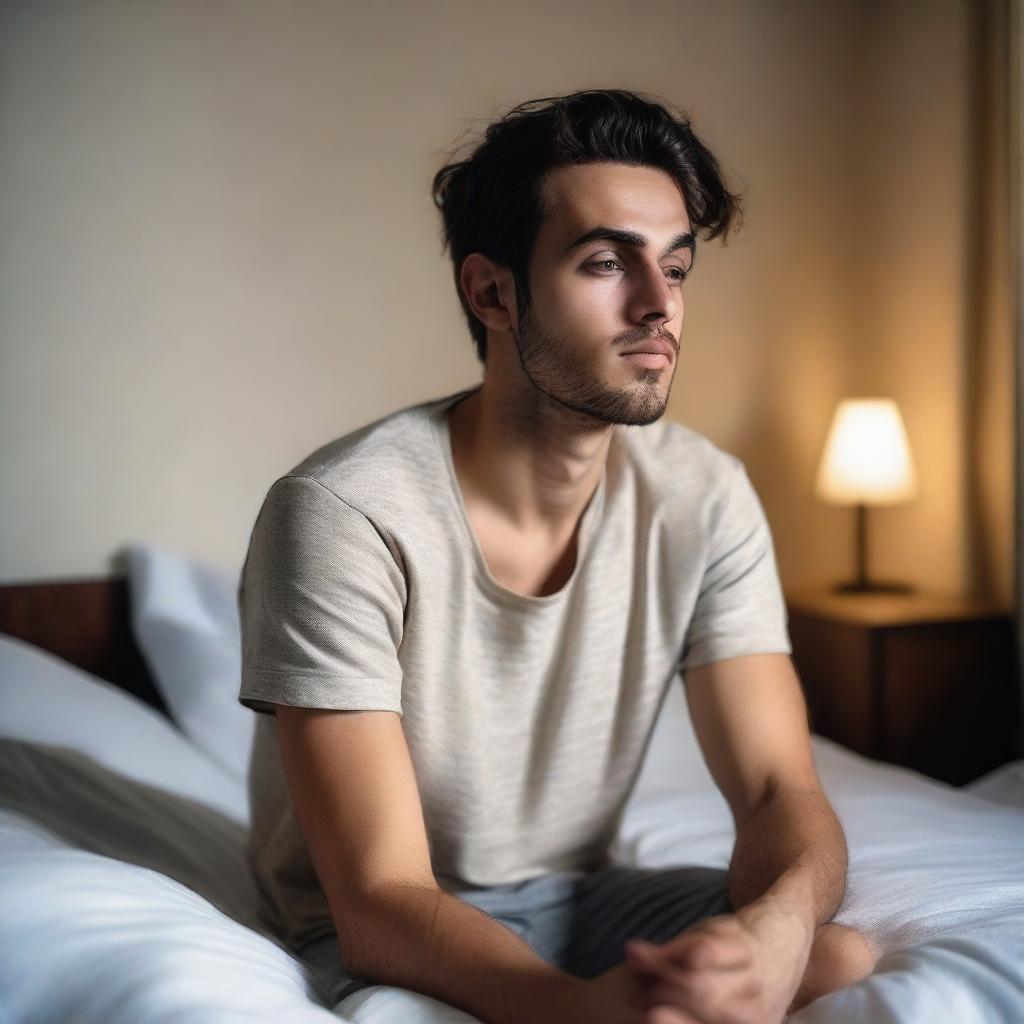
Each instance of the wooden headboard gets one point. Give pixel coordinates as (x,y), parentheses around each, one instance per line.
(86,622)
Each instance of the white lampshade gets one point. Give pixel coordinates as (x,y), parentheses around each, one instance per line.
(867,456)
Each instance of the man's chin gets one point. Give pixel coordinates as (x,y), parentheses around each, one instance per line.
(643,420)
(638,410)
(628,412)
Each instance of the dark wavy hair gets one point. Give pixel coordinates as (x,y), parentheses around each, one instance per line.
(491,202)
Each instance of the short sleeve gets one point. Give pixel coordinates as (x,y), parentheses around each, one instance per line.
(740,607)
(321,604)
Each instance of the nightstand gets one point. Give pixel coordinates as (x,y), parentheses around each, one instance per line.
(917,680)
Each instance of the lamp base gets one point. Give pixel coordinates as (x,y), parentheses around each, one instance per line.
(870,587)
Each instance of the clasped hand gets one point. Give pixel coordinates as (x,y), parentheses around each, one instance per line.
(728,969)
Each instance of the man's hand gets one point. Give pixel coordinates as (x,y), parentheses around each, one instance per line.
(742,968)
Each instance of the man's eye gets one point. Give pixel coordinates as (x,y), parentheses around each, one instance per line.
(675,273)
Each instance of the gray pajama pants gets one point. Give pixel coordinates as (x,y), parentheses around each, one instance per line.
(576,921)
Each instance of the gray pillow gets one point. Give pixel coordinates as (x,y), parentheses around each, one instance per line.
(185,620)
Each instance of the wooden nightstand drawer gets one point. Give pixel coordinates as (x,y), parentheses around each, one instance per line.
(916,680)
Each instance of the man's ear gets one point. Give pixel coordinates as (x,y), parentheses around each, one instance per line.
(490,292)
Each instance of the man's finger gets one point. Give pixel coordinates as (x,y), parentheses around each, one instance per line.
(647,956)
(651,961)
(708,953)
(712,952)
(669,1015)
(695,999)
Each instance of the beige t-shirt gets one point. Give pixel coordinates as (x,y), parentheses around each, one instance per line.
(527,718)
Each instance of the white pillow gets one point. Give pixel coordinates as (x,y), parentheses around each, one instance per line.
(1002,785)
(44,699)
(185,620)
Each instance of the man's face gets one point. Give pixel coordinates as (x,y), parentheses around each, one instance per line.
(593,301)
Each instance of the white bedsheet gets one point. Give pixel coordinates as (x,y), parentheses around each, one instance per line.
(124,898)
(936,878)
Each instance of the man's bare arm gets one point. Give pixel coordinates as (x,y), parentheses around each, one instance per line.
(427,940)
(356,801)
(788,868)
(751,720)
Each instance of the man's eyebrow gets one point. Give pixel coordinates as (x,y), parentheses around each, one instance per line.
(635,239)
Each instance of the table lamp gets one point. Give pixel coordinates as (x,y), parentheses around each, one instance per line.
(866,461)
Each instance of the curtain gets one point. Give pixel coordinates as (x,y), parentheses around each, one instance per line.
(994,335)
(1015,35)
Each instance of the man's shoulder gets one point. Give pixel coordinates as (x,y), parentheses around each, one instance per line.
(379,459)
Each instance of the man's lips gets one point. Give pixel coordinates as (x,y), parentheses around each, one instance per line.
(654,346)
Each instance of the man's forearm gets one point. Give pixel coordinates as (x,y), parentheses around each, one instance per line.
(791,855)
(430,941)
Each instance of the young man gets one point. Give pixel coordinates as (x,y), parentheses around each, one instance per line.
(459,623)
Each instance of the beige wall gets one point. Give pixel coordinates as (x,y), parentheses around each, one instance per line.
(218,249)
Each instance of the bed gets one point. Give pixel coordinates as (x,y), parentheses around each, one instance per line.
(125,895)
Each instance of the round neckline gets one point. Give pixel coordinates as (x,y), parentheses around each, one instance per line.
(443,442)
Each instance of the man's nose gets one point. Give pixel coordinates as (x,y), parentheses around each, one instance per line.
(653,299)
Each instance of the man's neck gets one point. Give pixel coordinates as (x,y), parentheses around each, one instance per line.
(527,458)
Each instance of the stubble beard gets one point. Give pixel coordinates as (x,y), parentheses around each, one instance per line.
(567,381)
